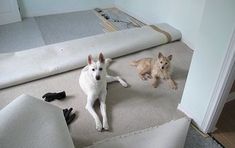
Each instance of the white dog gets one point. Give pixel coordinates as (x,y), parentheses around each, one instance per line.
(93,81)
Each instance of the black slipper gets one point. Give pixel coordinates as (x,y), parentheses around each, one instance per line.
(52,96)
(66,115)
(71,118)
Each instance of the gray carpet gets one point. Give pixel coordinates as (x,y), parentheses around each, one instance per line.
(68,26)
(44,30)
(20,36)
(196,140)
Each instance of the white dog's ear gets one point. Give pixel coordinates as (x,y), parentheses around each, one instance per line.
(160,55)
(90,59)
(169,57)
(101,58)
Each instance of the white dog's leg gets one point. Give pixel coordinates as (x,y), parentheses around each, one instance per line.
(103,109)
(89,107)
(117,78)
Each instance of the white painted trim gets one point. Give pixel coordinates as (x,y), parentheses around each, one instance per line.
(220,92)
(231,97)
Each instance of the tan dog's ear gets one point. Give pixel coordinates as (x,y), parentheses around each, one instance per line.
(101,58)
(169,57)
(89,59)
(160,55)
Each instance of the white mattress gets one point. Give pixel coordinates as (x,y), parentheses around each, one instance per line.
(36,63)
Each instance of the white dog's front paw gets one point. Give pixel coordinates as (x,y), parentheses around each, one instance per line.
(123,83)
(106,126)
(99,127)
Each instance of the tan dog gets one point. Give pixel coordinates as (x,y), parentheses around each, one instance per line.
(155,68)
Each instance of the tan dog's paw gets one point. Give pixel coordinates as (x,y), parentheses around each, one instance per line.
(142,77)
(149,76)
(154,84)
(173,85)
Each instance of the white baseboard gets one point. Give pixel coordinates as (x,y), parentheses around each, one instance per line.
(231,97)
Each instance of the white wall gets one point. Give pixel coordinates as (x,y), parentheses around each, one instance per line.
(9,12)
(184,15)
(31,8)
(214,35)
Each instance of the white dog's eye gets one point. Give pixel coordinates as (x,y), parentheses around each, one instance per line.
(100,69)
(161,62)
(93,69)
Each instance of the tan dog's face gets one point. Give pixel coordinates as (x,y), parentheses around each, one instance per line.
(163,62)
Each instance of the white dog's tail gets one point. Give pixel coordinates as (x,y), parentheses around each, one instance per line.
(108,61)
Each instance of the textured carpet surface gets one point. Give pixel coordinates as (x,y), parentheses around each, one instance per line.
(68,26)
(196,140)
(129,109)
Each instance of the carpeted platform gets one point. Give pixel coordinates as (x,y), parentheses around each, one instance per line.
(63,27)
(129,109)
(44,30)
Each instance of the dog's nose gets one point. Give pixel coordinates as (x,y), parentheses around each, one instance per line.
(97,77)
(162,67)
